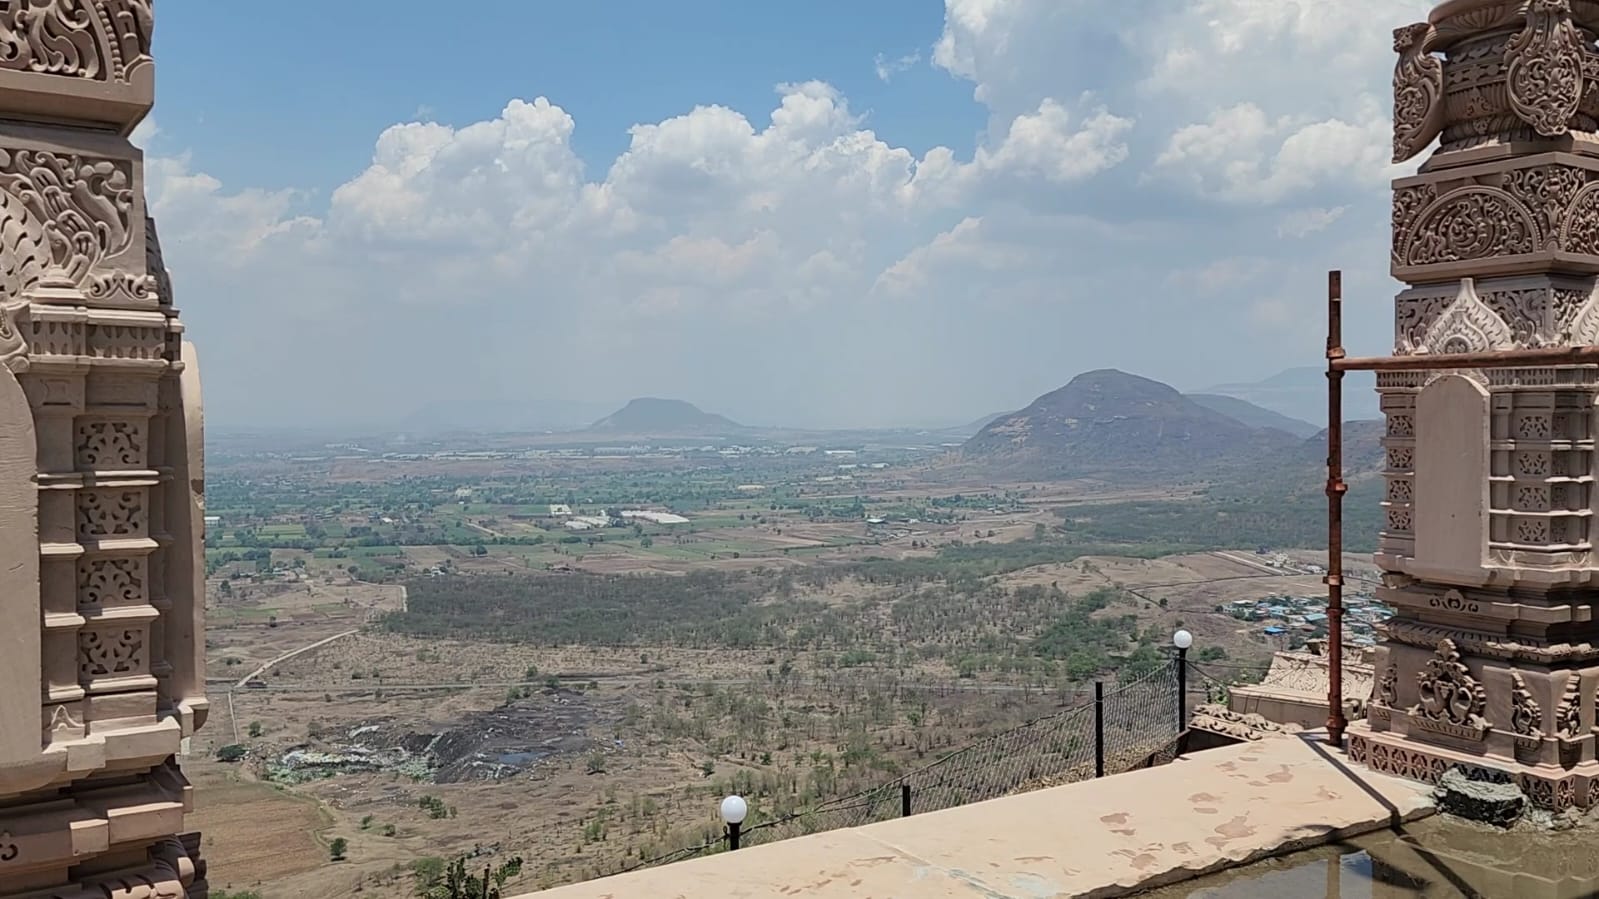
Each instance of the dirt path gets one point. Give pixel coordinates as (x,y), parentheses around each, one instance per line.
(1251,563)
(291,654)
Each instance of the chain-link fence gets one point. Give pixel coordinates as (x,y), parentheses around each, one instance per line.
(1133,725)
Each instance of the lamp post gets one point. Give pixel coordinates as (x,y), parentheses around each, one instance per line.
(1182,640)
(734,808)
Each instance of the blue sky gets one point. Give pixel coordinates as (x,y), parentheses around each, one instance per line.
(297,97)
(832,213)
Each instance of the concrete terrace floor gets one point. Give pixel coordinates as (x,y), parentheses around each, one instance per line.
(1205,812)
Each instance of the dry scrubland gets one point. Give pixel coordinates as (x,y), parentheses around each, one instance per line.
(583,758)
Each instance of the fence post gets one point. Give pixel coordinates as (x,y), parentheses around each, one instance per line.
(1099,728)
(1182,691)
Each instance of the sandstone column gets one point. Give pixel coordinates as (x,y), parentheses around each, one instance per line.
(1493,657)
(101,475)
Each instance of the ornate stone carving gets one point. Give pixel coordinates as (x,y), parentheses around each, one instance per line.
(1526,717)
(1386,690)
(143,342)
(1412,633)
(1454,601)
(110,653)
(1399,490)
(1470,223)
(110,582)
(1544,68)
(120,287)
(1246,726)
(64,213)
(1408,204)
(1467,326)
(100,40)
(1579,228)
(107,445)
(110,513)
(1418,93)
(1568,715)
(1524,311)
(1448,692)
(1549,190)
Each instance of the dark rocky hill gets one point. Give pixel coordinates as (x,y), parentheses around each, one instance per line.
(649,416)
(1108,423)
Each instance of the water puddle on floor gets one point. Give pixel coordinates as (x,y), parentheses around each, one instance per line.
(1437,858)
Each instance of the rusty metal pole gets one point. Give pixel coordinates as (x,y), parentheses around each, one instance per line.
(1335,510)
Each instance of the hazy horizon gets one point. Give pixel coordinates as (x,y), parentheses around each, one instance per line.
(900,215)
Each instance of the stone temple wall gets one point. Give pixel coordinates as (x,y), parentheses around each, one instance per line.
(101,475)
(1488,546)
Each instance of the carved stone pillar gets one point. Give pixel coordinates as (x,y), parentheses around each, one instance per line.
(101,474)
(1488,548)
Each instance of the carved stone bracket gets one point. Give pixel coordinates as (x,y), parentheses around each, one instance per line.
(1544,68)
(1418,93)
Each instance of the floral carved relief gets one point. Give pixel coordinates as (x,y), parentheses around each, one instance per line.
(1526,717)
(1470,223)
(98,40)
(1544,68)
(110,513)
(1524,311)
(1579,229)
(63,213)
(111,582)
(1568,715)
(110,653)
(1549,191)
(1469,325)
(1449,694)
(109,445)
(1407,205)
(1418,93)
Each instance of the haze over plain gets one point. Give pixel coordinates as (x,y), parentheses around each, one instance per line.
(857,217)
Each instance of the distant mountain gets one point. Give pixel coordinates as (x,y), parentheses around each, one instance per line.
(1107,423)
(1251,414)
(1362,451)
(652,417)
(1302,393)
